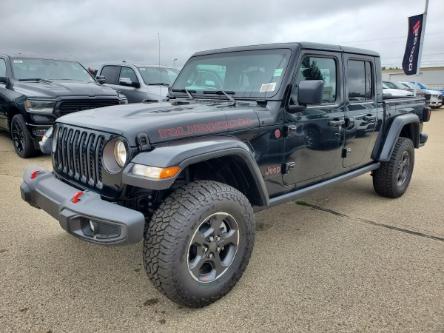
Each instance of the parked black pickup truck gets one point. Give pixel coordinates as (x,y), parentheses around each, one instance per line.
(245,129)
(35,91)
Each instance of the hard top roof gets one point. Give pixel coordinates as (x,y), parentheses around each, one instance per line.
(293,46)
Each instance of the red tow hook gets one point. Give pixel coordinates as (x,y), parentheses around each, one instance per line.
(76,197)
(34,174)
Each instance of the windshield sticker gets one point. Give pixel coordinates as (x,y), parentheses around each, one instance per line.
(18,61)
(268,87)
(278,72)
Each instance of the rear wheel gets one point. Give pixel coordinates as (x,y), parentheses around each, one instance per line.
(199,242)
(22,139)
(393,177)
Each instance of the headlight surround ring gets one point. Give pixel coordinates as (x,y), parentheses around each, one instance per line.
(115,155)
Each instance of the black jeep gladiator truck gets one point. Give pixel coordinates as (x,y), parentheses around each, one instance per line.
(35,91)
(245,129)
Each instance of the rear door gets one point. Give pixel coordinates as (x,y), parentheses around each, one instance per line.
(315,136)
(362,111)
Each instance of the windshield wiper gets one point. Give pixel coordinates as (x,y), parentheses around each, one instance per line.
(185,90)
(35,79)
(222,92)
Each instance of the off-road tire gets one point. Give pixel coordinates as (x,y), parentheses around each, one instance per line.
(385,180)
(169,233)
(26,148)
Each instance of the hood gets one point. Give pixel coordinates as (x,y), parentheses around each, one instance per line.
(54,89)
(396,92)
(432,92)
(167,121)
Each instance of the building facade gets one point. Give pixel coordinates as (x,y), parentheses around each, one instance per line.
(432,77)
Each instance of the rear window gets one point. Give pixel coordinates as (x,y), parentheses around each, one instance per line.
(359,80)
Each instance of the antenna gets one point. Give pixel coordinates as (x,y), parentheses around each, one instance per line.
(158,40)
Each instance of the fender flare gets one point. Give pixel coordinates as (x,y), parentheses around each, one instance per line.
(393,134)
(185,153)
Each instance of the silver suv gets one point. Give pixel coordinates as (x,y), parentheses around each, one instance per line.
(139,83)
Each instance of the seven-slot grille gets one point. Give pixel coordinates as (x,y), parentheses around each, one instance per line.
(79,153)
(73,105)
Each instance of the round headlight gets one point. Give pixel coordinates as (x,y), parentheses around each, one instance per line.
(120,153)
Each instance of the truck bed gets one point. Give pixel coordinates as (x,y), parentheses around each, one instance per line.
(397,106)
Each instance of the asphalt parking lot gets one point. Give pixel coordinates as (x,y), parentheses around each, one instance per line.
(342,259)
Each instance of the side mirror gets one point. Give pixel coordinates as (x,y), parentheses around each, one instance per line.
(125,81)
(101,79)
(6,81)
(309,93)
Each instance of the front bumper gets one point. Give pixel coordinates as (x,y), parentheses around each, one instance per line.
(91,218)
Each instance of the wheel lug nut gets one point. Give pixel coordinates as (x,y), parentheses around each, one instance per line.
(211,238)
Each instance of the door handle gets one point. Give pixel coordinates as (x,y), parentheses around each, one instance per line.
(369,118)
(336,123)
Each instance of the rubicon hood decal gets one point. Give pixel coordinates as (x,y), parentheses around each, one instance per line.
(204,128)
(166,121)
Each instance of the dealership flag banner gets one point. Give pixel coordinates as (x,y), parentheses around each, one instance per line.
(410,63)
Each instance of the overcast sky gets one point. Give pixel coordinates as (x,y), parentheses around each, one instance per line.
(93,31)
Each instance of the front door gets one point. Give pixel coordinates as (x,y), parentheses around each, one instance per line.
(133,94)
(362,112)
(315,136)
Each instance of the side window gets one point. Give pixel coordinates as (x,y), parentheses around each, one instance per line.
(111,74)
(359,80)
(317,68)
(368,80)
(128,73)
(2,67)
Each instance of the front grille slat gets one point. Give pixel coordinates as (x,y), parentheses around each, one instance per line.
(75,154)
(73,105)
(98,153)
(64,157)
(69,148)
(78,155)
(92,161)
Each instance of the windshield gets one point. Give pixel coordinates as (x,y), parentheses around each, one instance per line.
(408,85)
(255,73)
(399,85)
(389,85)
(158,75)
(31,68)
(421,86)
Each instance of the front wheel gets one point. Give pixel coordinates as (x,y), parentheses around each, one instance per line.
(22,139)
(198,242)
(393,177)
